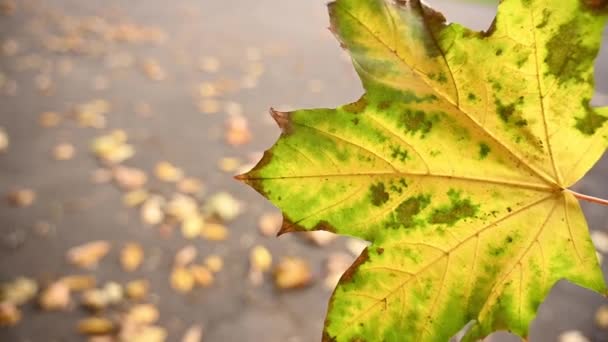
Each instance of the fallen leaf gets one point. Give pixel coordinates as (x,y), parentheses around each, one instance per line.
(95,326)
(292,273)
(21,198)
(113,292)
(185,256)
(209,106)
(135,198)
(229,164)
(19,291)
(79,282)
(10,314)
(92,114)
(49,119)
(182,207)
(143,314)
(153,70)
(55,297)
(192,226)
(4,140)
(151,211)
(190,186)
(64,151)
(207,89)
(182,280)
(143,333)
(270,223)
(572,336)
(94,299)
(320,237)
(129,178)
(601,317)
(214,232)
(214,262)
(131,256)
(113,148)
(237,132)
(209,64)
(166,172)
(260,261)
(137,289)
(202,275)
(89,254)
(193,334)
(224,206)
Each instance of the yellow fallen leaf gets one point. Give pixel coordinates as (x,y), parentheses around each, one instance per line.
(182,280)
(192,226)
(151,211)
(601,317)
(64,151)
(134,198)
(131,256)
(49,119)
(260,258)
(166,172)
(143,314)
(292,273)
(95,326)
(193,334)
(94,299)
(92,114)
(182,207)
(129,178)
(4,140)
(185,256)
(214,232)
(19,291)
(137,289)
(79,282)
(55,297)
(214,262)
(202,275)
(112,147)
(224,206)
(89,254)
(229,164)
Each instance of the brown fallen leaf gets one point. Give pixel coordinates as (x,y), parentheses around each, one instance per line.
(269,224)
(10,314)
(4,140)
(49,119)
(214,262)
(21,198)
(137,289)
(142,333)
(203,277)
(64,151)
(214,232)
(131,256)
(19,291)
(182,280)
(143,314)
(237,131)
(55,297)
(89,254)
(129,178)
(166,172)
(292,273)
(193,334)
(95,326)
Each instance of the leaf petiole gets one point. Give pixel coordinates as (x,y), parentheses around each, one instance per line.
(588,198)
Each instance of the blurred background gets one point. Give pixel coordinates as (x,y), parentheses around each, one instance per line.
(121,125)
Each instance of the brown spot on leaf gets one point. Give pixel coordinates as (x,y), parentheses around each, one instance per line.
(356,107)
(282,119)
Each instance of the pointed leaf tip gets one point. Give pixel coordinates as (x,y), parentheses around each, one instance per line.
(281,118)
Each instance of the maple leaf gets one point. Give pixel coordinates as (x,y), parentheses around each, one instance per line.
(455,165)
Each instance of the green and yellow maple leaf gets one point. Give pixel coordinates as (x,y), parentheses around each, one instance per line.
(455,165)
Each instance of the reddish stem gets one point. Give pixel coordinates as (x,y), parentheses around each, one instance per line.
(589,198)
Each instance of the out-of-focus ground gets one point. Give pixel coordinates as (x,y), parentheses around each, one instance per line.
(186,82)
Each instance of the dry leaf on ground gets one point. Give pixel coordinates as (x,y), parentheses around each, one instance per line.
(182,280)
(55,297)
(64,151)
(224,206)
(292,273)
(18,291)
(601,317)
(193,334)
(214,262)
(270,223)
(214,232)
(95,326)
(137,289)
(89,254)
(112,148)
(129,178)
(143,314)
(131,256)
(151,211)
(49,119)
(166,172)
(10,314)
(190,186)
(4,140)
(202,275)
